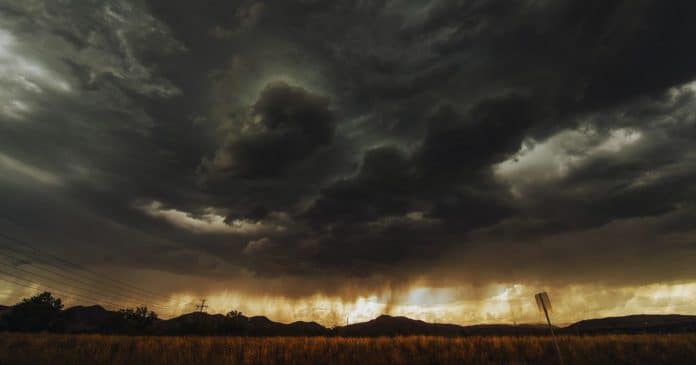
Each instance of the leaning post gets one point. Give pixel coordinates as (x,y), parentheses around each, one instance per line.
(544,304)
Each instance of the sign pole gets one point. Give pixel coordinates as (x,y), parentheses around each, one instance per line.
(544,303)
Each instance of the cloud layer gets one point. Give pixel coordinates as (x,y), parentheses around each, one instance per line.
(344,147)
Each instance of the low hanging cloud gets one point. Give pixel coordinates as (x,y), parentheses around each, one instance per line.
(208,222)
(257,245)
(556,157)
(22,170)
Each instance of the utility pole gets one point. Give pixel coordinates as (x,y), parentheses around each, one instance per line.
(544,303)
(201,307)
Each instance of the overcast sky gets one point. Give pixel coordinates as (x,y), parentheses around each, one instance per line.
(303,157)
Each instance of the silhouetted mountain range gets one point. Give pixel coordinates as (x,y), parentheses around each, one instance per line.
(639,323)
(203,323)
(95,319)
(385,325)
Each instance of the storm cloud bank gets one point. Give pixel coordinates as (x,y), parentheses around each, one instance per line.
(341,147)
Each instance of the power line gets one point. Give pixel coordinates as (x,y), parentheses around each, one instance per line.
(59,293)
(45,265)
(72,285)
(62,292)
(85,285)
(57,283)
(124,286)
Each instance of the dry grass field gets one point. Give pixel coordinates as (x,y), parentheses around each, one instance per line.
(121,350)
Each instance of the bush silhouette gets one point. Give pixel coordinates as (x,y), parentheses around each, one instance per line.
(234,314)
(37,313)
(136,319)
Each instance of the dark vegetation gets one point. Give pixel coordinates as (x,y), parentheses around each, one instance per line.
(62,349)
(45,313)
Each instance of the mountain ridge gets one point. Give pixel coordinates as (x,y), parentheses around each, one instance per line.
(96,319)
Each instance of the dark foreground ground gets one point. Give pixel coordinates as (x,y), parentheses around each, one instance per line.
(101,349)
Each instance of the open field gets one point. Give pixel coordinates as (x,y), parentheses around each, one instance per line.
(101,349)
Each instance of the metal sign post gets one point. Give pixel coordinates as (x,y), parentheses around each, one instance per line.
(544,304)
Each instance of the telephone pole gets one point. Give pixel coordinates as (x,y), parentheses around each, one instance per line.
(201,307)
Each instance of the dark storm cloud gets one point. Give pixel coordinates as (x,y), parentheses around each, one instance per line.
(489,133)
(382,187)
(286,125)
(349,138)
(454,156)
(577,54)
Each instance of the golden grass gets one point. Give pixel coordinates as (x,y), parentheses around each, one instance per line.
(99,349)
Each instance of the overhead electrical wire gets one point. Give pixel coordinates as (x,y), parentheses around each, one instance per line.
(72,265)
(27,274)
(118,291)
(68,275)
(35,285)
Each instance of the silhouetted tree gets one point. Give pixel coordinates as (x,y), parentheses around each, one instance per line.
(35,313)
(44,299)
(234,314)
(137,319)
(236,323)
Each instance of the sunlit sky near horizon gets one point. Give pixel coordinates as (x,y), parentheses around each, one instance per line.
(336,160)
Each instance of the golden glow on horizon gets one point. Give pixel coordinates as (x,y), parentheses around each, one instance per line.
(500,303)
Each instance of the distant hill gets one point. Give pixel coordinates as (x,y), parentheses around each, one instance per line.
(203,323)
(506,330)
(190,323)
(650,323)
(95,319)
(3,322)
(86,320)
(385,325)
